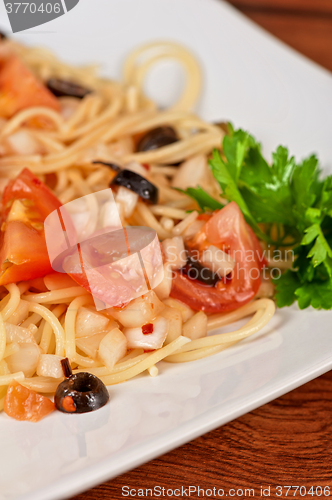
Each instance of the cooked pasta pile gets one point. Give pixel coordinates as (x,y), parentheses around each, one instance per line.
(46,319)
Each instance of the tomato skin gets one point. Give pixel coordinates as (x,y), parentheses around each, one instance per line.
(23,251)
(228,230)
(20,89)
(22,403)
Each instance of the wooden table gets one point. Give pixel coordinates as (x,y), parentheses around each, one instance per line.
(288,441)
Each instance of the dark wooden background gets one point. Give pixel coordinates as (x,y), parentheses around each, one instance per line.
(288,441)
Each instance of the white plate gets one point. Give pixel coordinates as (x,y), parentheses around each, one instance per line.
(281,97)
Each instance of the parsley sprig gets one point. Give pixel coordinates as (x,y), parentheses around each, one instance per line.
(285,197)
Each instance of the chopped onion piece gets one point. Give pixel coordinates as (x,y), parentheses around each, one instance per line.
(139,311)
(18,334)
(163,290)
(89,322)
(185,310)
(218,261)
(128,199)
(175,252)
(195,327)
(174,318)
(90,345)
(25,360)
(136,338)
(23,142)
(112,348)
(191,172)
(49,365)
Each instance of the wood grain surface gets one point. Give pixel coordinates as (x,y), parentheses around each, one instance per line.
(288,441)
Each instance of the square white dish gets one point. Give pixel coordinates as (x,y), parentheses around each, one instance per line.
(259,84)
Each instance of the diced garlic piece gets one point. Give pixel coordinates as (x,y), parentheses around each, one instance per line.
(128,199)
(218,261)
(25,359)
(139,311)
(20,315)
(112,348)
(90,345)
(49,365)
(185,310)
(175,252)
(155,340)
(18,334)
(163,290)
(195,327)
(89,322)
(191,172)
(174,318)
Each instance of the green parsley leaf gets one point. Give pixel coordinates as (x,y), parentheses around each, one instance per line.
(204,200)
(230,190)
(286,287)
(287,196)
(317,294)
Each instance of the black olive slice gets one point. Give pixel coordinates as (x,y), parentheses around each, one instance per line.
(81,393)
(157,138)
(112,166)
(64,88)
(195,271)
(137,184)
(2,36)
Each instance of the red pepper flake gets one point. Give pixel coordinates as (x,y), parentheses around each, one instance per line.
(37,182)
(147,329)
(146,166)
(68,404)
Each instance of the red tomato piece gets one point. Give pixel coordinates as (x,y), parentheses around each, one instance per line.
(22,403)
(20,89)
(25,205)
(227,230)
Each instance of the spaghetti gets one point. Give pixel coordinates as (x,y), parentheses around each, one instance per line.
(62,151)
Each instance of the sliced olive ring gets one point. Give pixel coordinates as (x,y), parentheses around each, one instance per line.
(137,184)
(112,166)
(157,138)
(64,88)
(195,271)
(80,393)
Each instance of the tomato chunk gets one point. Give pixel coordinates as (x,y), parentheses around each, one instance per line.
(22,403)
(227,230)
(25,204)
(20,89)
